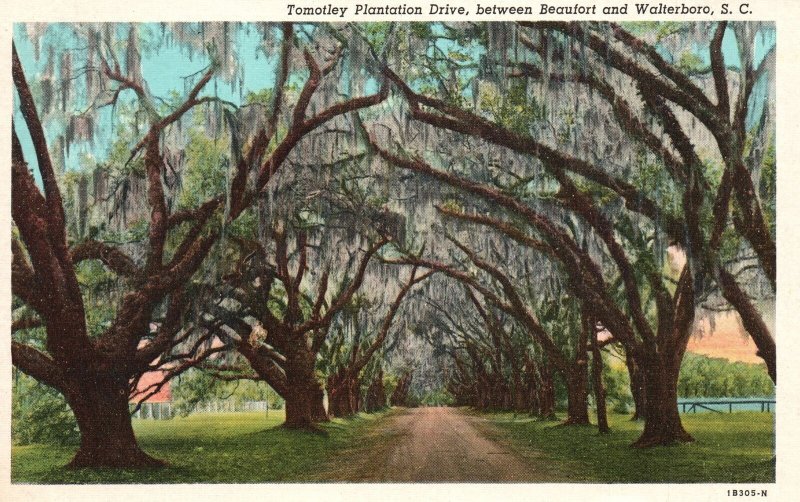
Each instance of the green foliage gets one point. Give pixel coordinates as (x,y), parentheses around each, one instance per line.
(512,108)
(703,376)
(561,318)
(436,397)
(206,168)
(690,63)
(39,414)
(617,382)
(661,29)
(128,133)
(767,188)
(653,179)
(262,97)
(196,387)
(376,32)
(98,286)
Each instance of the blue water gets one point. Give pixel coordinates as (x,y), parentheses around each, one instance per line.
(722,404)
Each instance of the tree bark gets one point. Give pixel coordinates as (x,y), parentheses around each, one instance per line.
(519,403)
(577,396)
(577,376)
(337,402)
(343,399)
(599,388)
(107,440)
(400,394)
(547,394)
(663,423)
(752,321)
(318,412)
(376,395)
(638,390)
(304,395)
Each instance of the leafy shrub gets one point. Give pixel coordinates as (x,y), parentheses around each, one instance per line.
(197,388)
(40,414)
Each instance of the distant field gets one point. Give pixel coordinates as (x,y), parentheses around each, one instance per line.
(736,447)
(208,448)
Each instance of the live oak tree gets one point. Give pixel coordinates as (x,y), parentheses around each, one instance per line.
(504,295)
(95,373)
(345,379)
(290,323)
(594,149)
(495,365)
(588,54)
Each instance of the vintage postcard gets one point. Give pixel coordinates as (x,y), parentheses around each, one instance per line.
(342,249)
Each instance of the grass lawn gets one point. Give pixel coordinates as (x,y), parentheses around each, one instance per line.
(208,448)
(736,447)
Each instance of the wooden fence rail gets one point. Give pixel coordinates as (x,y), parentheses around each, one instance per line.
(692,406)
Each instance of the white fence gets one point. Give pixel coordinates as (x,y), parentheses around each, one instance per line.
(164,411)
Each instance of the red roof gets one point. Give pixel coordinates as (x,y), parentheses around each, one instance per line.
(144,387)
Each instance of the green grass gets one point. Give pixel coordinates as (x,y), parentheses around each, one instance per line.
(249,447)
(208,448)
(737,447)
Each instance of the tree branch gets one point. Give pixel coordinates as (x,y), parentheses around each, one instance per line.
(112,257)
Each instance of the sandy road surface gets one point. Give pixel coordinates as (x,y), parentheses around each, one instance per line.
(438,444)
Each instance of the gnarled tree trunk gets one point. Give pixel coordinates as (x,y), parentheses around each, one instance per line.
(400,394)
(577,396)
(342,394)
(304,394)
(100,405)
(663,423)
(376,395)
(547,394)
(599,387)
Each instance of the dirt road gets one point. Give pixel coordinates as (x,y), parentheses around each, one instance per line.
(437,444)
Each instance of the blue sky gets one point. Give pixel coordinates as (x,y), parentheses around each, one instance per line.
(165,66)
(163,70)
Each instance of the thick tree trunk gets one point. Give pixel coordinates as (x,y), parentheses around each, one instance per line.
(304,405)
(318,412)
(752,320)
(532,397)
(304,394)
(662,424)
(376,395)
(498,392)
(484,394)
(400,394)
(298,408)
(547,395)
(337,404)
(577,377)
(577,396)
(107,439)
(342,395)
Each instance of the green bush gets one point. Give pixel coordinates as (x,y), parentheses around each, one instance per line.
(618,388)
(703,376)
(197,388)
(436,397)
(40,415)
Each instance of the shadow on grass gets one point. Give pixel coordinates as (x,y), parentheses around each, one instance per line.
(219,448)
(734,447)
